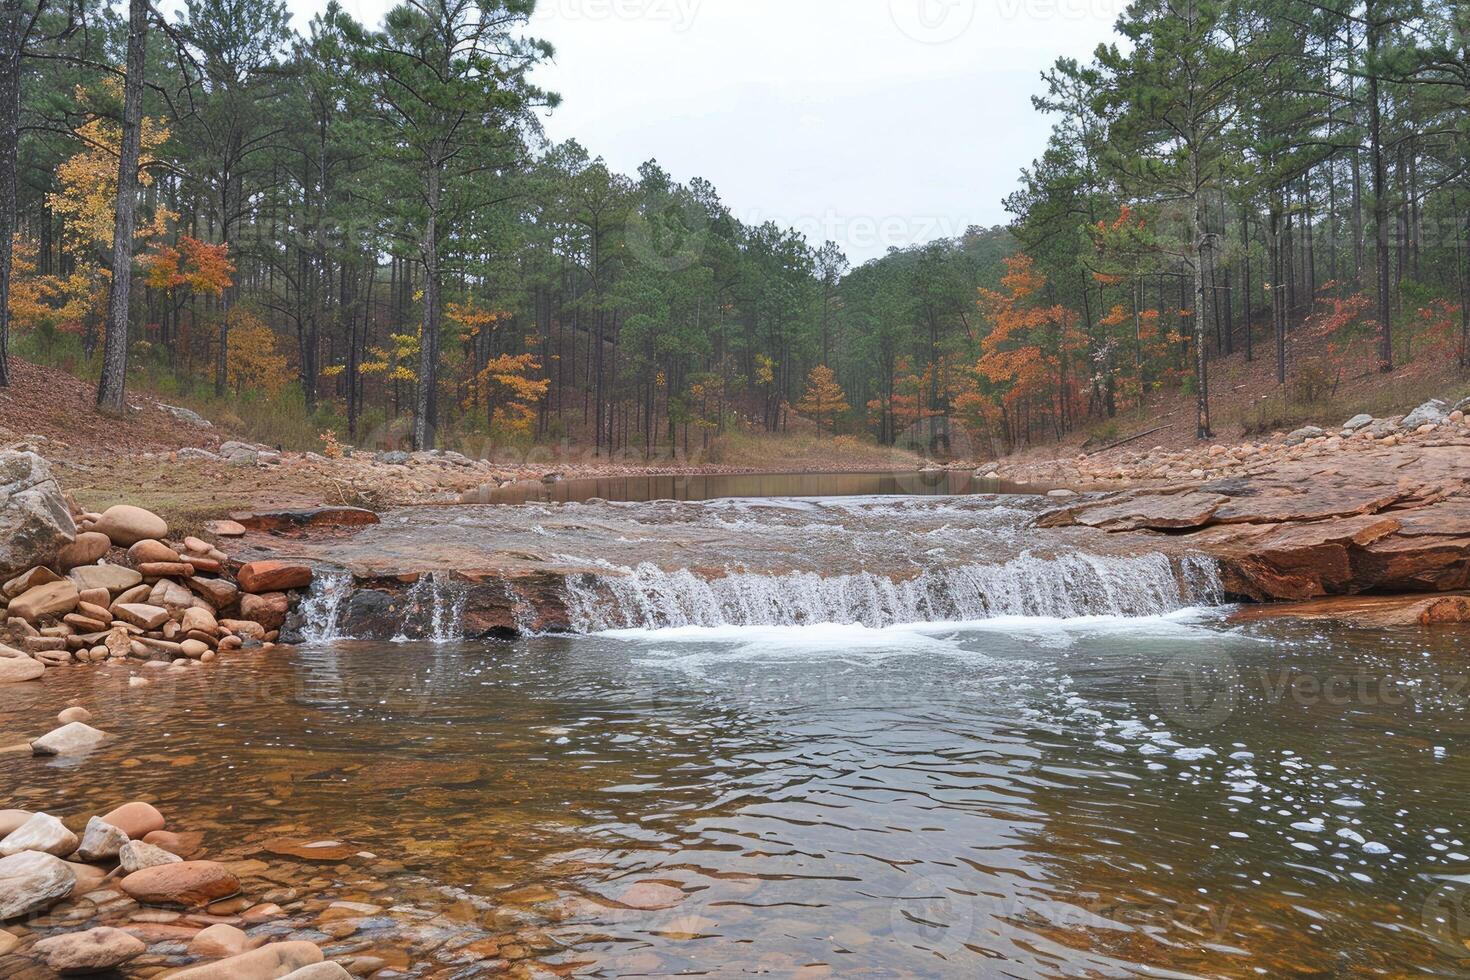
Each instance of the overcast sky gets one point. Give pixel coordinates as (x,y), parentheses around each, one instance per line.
(875,123)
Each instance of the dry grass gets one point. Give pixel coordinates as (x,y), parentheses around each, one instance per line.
(804,452)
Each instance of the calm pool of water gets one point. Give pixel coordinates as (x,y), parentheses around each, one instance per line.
(1021,798)
(745,485)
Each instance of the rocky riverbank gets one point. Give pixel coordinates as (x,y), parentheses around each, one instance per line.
(83,588)
(1376,510)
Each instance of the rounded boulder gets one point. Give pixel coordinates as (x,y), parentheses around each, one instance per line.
(127,525)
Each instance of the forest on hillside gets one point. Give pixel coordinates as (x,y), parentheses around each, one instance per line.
(364,228)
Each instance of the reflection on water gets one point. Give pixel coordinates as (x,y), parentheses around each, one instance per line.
(645,488)
(1020,798)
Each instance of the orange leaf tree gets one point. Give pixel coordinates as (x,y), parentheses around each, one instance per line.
(824,399)
(1030,346)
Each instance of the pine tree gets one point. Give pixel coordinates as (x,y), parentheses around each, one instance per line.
(824,399)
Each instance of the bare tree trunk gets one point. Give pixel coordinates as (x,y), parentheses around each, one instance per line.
(115,341)
(1380,193)
(12,30)
(1201,361)
(426,415)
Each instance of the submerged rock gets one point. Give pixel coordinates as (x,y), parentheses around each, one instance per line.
(93,951)
(269,962)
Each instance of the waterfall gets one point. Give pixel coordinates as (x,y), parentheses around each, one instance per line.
(1065,586)
(321,610)
(434,610)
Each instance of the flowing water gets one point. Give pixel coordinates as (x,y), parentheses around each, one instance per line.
(1109,784)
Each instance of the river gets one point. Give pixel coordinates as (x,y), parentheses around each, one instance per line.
(1110,782)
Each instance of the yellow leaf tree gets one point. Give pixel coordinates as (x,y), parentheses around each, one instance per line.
(254,361)
(824,399)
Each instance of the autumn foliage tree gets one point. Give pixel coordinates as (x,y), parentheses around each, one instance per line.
(824,399)
(1030,346)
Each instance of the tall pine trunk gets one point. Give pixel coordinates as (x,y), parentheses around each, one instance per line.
(1201,237)
(115,339)
(426,415)
(1380,193)
(12,30)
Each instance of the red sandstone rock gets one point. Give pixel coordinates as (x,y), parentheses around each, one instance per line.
(268,610)
(136,819)
(188,883)
(273,576)
(1368,611)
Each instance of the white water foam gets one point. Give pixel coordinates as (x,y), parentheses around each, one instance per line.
(435,611)
(1066,587)
(321,610)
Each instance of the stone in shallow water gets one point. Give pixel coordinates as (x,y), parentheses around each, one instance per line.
(31,881)
(269,962)
(329,851)
(42,832)
(75,713)
(101,841)
(650,896)
(76,738)
(136,819)
(19,670)
(319,971)
(92,951)
(188,883)
(218,941)
(137,855)
(185,844)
